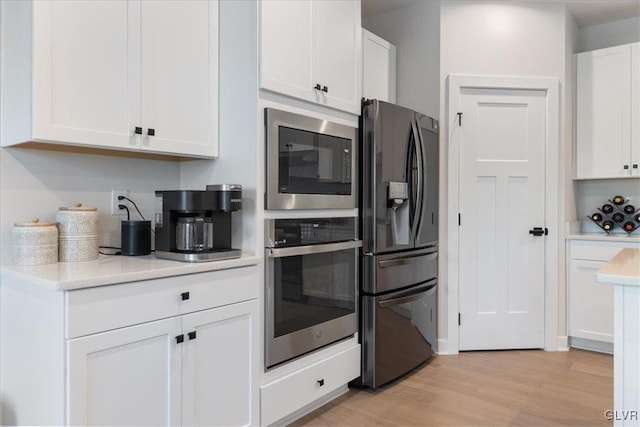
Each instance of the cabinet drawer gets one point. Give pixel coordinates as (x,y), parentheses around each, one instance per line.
(286,395)
(109,307)
(597,251)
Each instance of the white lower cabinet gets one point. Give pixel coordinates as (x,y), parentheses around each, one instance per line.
(590,303)
(295,390)
(175,351)
(130,376)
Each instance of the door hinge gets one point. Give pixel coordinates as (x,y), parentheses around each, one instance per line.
(459,219)
(459,119)
(192,335)
(459,317)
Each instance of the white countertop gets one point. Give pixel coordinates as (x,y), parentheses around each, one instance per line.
(109,270)
(622,269)
(603,237)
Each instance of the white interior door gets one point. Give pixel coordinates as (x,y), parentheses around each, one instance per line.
(501,198)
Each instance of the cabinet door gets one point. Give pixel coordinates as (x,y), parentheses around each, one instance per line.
(378,68)
(603,108)
(128,376)
(590,302)
(286,48)
(180,77)
(635,109)
(338,55)
(85,73)
(220,365)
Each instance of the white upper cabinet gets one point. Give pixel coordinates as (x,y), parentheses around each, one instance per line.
(120,75)
(607,136)
(378,68)
(312,50)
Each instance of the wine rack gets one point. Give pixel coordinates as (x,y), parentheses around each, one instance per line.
(618,212)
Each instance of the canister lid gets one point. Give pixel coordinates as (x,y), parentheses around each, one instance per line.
(34,223)
(78,208)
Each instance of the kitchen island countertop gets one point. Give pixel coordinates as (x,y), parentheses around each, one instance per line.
(110,270)
(622,269)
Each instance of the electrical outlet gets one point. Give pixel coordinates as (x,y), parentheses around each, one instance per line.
(115,202)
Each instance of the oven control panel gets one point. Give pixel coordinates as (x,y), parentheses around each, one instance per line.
(311,231)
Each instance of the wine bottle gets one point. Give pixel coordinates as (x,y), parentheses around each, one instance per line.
(618,200)
(618,217)
(607,225)
(629,226)
(638,218)
(629,209)
(596,217)
(607,208)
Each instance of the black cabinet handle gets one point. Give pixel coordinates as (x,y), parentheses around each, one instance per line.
(321,382)
(180,339)
(138,130)
(192,335)
(317,87)
(325,89)
(626,166)
(151,132)
(184,296)
(635,166)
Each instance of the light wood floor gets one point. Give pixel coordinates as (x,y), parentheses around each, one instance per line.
(489,388)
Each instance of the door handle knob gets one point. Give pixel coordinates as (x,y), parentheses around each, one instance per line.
(539,231)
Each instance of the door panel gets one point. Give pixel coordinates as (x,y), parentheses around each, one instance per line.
(180,76)
(387,136)
(427,232)
(502,197)
(400,333)
(86,69)
(220,364)
(128,376)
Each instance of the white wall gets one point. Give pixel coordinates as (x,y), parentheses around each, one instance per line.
(610,34)
(35,183)
(415,31)
(509,39)
(238,161)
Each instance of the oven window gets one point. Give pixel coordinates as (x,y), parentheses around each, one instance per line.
(312,289)
(313,163)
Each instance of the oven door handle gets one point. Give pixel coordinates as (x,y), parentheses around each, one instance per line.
(312,249)
(413,296)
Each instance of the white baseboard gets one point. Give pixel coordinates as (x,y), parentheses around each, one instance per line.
(443,348)
(591,345)
(562,344)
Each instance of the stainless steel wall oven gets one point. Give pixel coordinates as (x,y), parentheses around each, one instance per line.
(311,285)
(311,163)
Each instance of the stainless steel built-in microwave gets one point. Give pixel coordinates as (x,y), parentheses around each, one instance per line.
(311,163)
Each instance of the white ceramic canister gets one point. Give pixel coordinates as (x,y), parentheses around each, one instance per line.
(35,243)
(78,233)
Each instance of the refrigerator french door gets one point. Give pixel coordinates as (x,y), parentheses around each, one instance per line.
(399,217)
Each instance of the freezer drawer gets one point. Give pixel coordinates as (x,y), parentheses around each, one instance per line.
(382,273)
(399,332)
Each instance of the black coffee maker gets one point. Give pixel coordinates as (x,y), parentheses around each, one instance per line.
(195,226)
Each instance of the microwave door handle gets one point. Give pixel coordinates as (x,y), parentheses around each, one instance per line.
(312,249)
(419,185)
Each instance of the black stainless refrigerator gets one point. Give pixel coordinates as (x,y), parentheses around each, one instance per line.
(399,219)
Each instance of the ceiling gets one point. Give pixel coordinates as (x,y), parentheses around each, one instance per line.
(585,12)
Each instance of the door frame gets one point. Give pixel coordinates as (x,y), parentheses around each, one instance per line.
(551,86)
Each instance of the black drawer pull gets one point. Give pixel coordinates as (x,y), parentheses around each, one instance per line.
(138,130)
(192,335)
(151,132)
(317,87)
(184,296)
(180,339)
(325,89)
(626,167)
(321,382)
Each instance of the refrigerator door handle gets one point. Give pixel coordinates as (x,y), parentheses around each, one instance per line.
(413,296)
(410,260)
(419,185)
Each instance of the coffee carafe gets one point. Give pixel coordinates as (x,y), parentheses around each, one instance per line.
(195,226)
